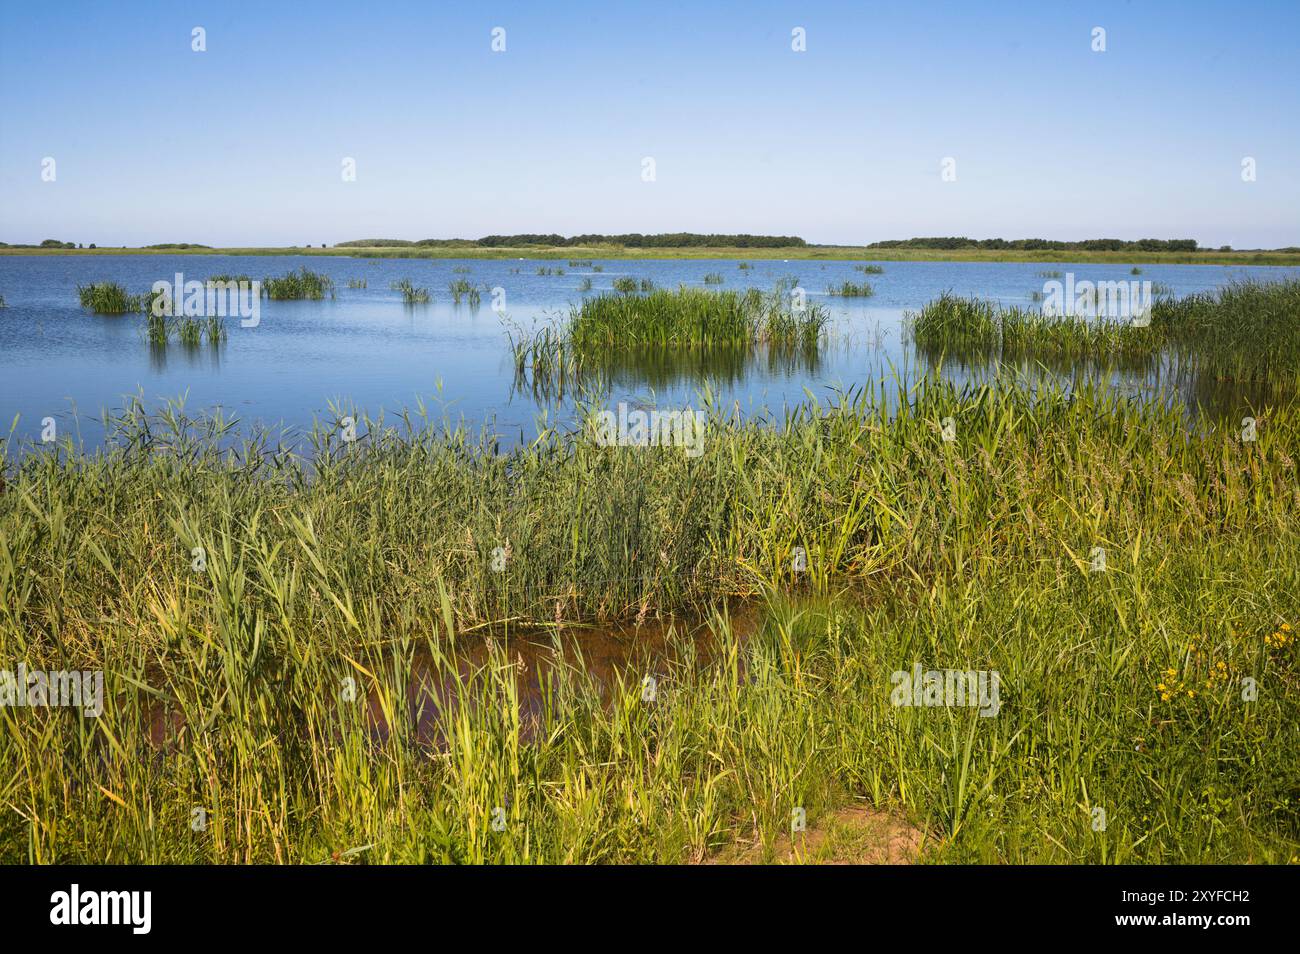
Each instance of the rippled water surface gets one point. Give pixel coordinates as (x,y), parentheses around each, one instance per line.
(372,353)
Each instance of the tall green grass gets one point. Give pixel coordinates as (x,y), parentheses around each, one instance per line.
(1245,330)
(301,284)
(461,288)
(411,294)
(108,298)
(852,290)
(365,567)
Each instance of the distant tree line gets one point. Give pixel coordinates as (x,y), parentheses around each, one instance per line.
(950,243)
(630,240)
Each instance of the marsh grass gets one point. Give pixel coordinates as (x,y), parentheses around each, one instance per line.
(109,298)
(299,285)
(869,269)
(713,278)
(610,331)
(584,285)
(411,294)
(1119,690)
(1243,331)
(852,290)
(357,283)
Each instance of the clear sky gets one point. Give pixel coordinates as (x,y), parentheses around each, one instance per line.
(243,144)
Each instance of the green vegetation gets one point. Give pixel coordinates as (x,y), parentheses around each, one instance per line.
(190,332)
(461,288)
(302,284)
(690,318)
(1034,245)
(357,283)
(411,295)
(629,240)
(1244,331)
(852,290)
(584,285)
(713,278)
(109,298)
(369,563)
(869,269)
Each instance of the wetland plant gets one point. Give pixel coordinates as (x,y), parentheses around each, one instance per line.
(852,290)
(109,298)
(411,294)
(303,284)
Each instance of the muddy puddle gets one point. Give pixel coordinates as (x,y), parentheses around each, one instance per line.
(534,659)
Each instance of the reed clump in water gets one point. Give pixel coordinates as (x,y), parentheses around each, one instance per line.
(357,283)
(852,290)
(463,289)
(870,269)
(1244,331)
(713,278)
(303,284)
(109,298)
(411,294)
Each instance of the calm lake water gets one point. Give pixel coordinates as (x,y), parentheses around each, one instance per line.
(370,353)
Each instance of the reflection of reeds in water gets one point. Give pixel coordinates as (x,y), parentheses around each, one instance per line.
(561,373)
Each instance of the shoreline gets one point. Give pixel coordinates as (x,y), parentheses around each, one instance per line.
(793,253)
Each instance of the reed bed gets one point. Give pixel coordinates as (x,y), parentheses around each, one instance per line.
(109,298)
(713,278)
(461,288)
(249,689)
(652,331)
(411,294)
(1245,330)
(303,284)
(355,283)
(870,269)
(852,290)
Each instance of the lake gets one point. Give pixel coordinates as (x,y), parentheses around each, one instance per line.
(368,352)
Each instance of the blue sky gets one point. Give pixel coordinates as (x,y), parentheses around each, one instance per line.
(243,144)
